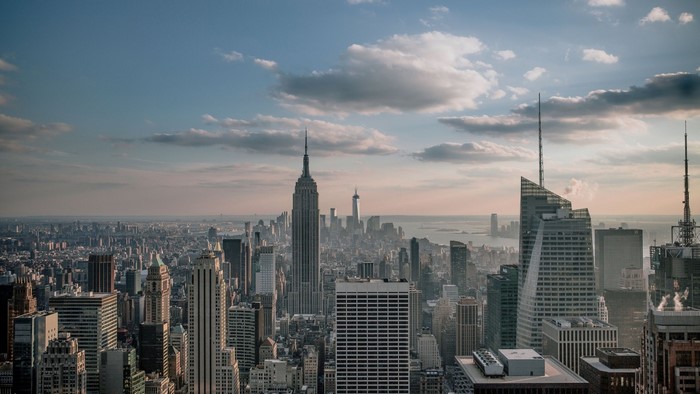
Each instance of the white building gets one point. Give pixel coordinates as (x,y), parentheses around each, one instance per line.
(310,357)
(429,352)
(372,336)
(62,367)
(265,278)
(467,327)
(274,376)
(569,339)
(243,337)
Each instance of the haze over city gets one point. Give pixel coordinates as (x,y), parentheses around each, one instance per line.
(428,108)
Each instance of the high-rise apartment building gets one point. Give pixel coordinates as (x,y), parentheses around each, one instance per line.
(305,294)
(372,336)
(459,255)
(91,318)
(467,327)
(32,334)
(569,339)
(501,315)
(62,367)
(615,250)
(557,276)
(101,273)
(209,360)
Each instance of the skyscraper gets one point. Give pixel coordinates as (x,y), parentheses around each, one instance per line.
(557,276)
(305,292)
(22,302)
(33,331)
(62,368)
(101,273)
(459,254)
(467,326)
(243,322)
(356,210)
(119,373)
(616,249)
(91,318)
(154,332)
(380,362)
(209,360)
(502,308)
(415,262)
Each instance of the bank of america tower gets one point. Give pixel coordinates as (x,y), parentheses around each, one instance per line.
(304,296)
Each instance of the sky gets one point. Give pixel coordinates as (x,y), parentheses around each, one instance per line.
(428,108)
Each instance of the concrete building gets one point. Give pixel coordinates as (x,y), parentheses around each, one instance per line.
(180,341)
(243,335)
(62,367)
(119,372)
(304,292)
(429,352)
(569,339)
(501,315)
(468,328)
(265,278)
(372,336)
(310,361)
(274,376)
(557,276)
(612,370)
(91,318)
(32,334)
(616,249)
(515,371)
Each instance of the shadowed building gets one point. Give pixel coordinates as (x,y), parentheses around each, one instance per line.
(101,273)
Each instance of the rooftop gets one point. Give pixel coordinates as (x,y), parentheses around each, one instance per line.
(555,373)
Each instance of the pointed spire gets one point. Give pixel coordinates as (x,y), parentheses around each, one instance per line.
(305,172)
(539,122)
(687,225)
(155,260)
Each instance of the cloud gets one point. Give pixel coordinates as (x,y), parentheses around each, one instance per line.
(606,3)
(266,64)
(591,118)
(672,154)
(535,73)
(428,72)
(657,14)
(505,54)
(15,133)
(355,2)
(7,66)
(599,56)
(517,91)
(685,18)
(580,188)
(230,57)
(282,136)
(498,94)
(473,152)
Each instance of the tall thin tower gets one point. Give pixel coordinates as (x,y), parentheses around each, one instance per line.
(687,225)
(154,337)
(356,209)
(539,126)
(305,292)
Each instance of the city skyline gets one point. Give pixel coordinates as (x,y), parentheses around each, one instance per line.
(429,108)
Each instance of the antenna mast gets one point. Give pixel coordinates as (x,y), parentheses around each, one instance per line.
(687,226)
(539,121)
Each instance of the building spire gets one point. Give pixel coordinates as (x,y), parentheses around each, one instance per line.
(687,225)
(539,122)
(305,173)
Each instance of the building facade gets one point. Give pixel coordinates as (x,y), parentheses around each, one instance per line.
(101,273)
(615,250)
(569,339)
(62,368)
(501,315)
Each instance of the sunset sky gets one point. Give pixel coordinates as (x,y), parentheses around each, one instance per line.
(430,108)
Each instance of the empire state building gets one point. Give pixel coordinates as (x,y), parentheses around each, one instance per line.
(304,296)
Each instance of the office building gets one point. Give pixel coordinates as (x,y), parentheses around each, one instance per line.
(133,282)
(429,352)
(154,333)
(612,370)
(513,371)
(310,362)
(119,372)
(32,334)
(244,335)
(501,313)
(415,297)
(415,263)
(22,302)
(616,249)
(459,255)
(670,352)
(274,376)
(372,336)
(62,368)
(265,278)
(157,292)
(569,339)
(91,318)
(305,294)
(180,342)
(157,385)
(467,327)
(210,362)
(627,310)
(494,225)
(557,276)
(101,273)
(153,347)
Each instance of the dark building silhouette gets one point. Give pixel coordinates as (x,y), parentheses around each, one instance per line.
(502,308)
(101,273)
(415,262)
(459,255)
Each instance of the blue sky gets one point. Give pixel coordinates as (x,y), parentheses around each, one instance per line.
(160,108)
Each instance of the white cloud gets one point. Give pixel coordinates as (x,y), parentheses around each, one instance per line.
(472,152)
(231,56)
(498,94)
(439,11)
(429,72)
(266,64)
(606,3)
(355,2)
(517,91)
(685,18)
(599,56)
(6,66)
(505,54)
(535,73)
(657,14)
(15,133)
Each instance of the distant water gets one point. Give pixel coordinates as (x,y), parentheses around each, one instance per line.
(476,228)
